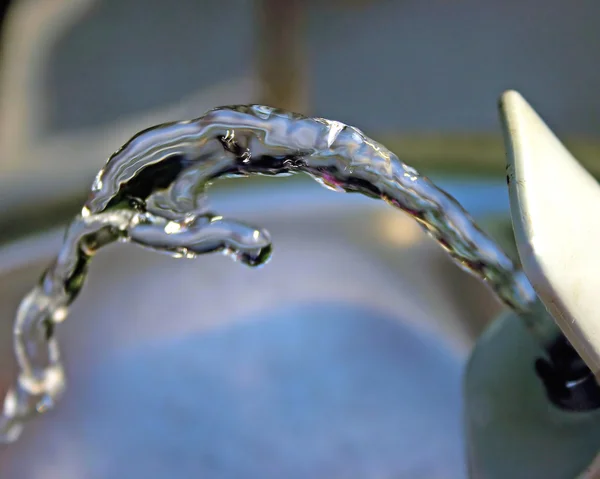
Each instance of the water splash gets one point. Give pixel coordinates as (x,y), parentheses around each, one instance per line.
(152,192)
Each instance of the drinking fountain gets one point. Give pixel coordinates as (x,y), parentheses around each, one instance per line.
(346,359)
(532,408)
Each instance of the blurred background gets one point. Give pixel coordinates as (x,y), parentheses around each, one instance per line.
(80,77)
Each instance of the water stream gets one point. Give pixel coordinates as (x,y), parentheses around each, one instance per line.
(153,192)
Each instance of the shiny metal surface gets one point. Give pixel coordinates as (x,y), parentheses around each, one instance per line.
(354,370)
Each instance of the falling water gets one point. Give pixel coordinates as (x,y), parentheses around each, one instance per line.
(152,192)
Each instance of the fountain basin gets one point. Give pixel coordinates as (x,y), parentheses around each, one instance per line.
(342,357)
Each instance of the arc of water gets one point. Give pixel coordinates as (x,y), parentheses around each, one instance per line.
(152,192)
